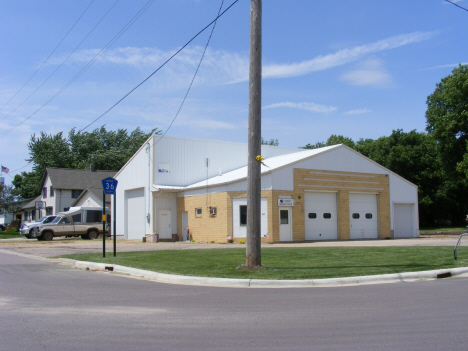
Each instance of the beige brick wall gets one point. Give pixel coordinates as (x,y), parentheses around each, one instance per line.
(343,183)
(208,228)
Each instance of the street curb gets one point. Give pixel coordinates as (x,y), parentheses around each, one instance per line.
(251,283)
(263,283)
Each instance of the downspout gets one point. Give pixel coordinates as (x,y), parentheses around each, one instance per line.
(148,150)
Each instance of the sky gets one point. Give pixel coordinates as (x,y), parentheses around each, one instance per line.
(358,68)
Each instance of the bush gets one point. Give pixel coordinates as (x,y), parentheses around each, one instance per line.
(15,223)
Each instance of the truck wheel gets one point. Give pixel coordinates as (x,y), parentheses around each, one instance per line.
(29,236)
(84,237)
(47,236)
(93,234)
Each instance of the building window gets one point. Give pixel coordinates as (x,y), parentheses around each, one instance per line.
(75,193)
(356,216)
(44,192)
(212,211)
(284,216)
(51,191)
(368,215)
(243,214)
(48,211)
(198,212)
(33,215)
(312,215)
(327,215)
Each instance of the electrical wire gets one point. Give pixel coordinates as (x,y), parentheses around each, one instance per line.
(185,97)
(193,79)
(456,5)
(47,59)
(62,63)
(94,59)
(154,72)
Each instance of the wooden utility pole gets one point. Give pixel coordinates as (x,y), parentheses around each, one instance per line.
(253,248)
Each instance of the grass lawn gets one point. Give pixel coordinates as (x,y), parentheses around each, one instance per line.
(289,263)
(10,234)
(438,229)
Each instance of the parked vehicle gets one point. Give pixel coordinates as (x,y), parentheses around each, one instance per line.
(66,226)
(28,228)
(2,228)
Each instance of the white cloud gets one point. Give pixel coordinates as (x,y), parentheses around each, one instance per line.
(370,72)
(207,124)
(221,67)
(342,57)
(453,65)
(357,112)
(306,106)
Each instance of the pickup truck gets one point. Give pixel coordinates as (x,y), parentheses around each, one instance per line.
(64,226)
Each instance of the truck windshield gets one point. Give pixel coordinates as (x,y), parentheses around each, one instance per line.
(41,219)
(56,219)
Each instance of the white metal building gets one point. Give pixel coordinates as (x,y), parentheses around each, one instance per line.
(331,193)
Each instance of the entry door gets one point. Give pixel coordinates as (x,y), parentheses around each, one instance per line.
(184,226)
(165,219)
(285,224)
(403,220)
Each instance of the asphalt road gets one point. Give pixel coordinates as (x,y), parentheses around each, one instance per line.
(46,306)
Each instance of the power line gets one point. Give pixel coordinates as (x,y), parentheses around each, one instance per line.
(48,57)
(154,72)
(456,5)
(94,59)
(193,79)
(62,63)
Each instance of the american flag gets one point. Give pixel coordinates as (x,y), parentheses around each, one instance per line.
(5,169)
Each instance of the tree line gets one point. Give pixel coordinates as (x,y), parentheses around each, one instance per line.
(107,150)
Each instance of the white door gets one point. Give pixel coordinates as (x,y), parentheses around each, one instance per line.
(165,220)
(285,231)
(403,220)
(239,218)
(321,216)
(363,218)
(135,214)
(184,225)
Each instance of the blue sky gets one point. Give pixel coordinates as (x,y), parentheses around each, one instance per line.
(360,68)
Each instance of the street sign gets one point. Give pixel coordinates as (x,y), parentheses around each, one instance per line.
(109,184)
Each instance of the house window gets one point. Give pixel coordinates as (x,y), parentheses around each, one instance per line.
(26,214)
(356,216)
(48,211)
(75,193)
(33,215)
(44,192)
(198,212)
(368,215)
(243,214)
(51,191)
(327,215)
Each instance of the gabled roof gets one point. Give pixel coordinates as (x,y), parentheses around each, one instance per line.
(32,203)
(269,165)
(95,191)
(75,179)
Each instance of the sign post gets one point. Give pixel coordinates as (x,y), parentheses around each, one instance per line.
(108,185)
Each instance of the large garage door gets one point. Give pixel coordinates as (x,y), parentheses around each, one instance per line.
(363,218)
(403,220)
(135,214)
(321,220)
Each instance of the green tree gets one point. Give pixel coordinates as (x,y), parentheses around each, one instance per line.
(8,198)
(108,150)
(447,122)
(272,142)
(332,140)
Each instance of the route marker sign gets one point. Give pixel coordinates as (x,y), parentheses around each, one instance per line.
(109,185)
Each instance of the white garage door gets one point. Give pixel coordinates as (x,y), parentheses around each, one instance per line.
(363,218)
(321,220)
(135,214)
(403,220)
